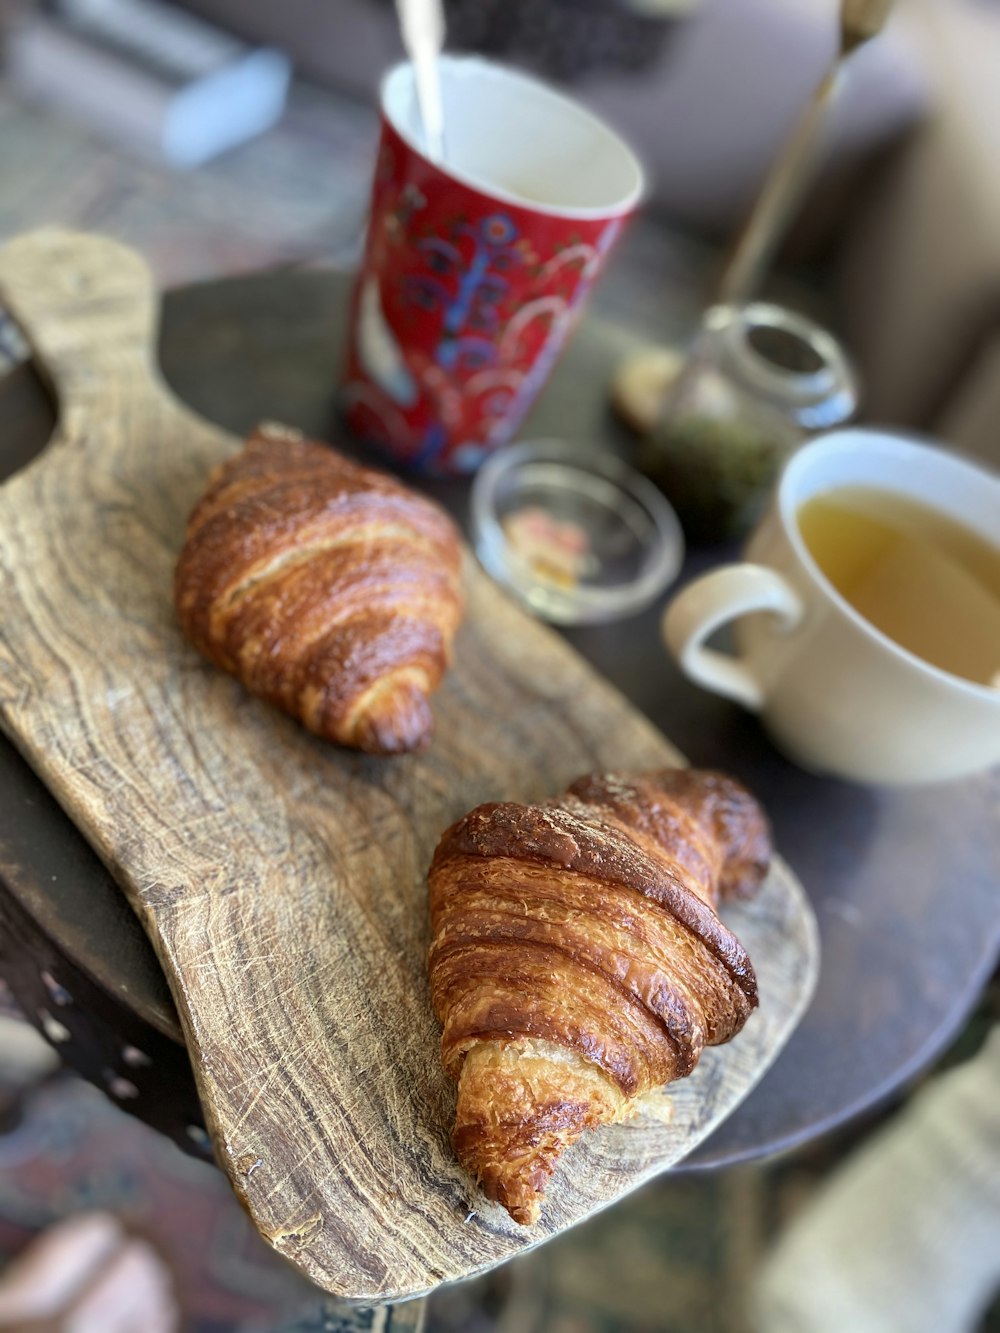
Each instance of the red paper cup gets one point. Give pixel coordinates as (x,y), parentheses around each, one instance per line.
(475,271)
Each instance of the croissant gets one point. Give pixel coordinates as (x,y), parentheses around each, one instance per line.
(577,961)
(330,590)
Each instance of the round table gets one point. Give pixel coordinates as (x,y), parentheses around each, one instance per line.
(904,882)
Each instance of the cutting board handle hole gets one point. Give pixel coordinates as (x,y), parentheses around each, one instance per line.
(88,308)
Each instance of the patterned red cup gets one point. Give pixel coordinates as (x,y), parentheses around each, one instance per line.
(475,270)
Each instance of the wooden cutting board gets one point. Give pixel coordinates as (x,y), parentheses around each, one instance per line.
(281,879)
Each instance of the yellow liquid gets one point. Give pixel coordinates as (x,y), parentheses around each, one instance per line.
(920,577)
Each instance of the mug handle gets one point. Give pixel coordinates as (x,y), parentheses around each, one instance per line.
(706,605)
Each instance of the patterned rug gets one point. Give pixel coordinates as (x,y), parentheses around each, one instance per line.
(73,1151)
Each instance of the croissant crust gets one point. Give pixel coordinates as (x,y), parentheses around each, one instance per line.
(577,960)
(329,589)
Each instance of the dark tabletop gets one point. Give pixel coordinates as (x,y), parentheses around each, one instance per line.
(905,883)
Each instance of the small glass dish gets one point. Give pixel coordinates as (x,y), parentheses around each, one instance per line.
(574,532)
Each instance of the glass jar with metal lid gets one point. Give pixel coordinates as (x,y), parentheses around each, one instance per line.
(758,381)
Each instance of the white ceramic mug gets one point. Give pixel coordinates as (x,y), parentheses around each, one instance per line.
(836,694)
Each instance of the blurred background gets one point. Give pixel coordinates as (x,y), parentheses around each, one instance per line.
(898,247)
(897,250)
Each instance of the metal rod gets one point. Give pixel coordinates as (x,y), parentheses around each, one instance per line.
(785,184)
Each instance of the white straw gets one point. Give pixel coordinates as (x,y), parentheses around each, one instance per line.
(422,25)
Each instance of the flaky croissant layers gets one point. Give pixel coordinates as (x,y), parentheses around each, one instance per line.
(577,960)
(331,590)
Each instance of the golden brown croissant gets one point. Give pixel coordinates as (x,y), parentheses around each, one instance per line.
(329,589)
(577,960)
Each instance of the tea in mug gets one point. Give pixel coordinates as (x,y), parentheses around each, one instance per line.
(916,574)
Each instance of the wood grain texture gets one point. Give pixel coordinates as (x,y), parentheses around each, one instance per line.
(282,880)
